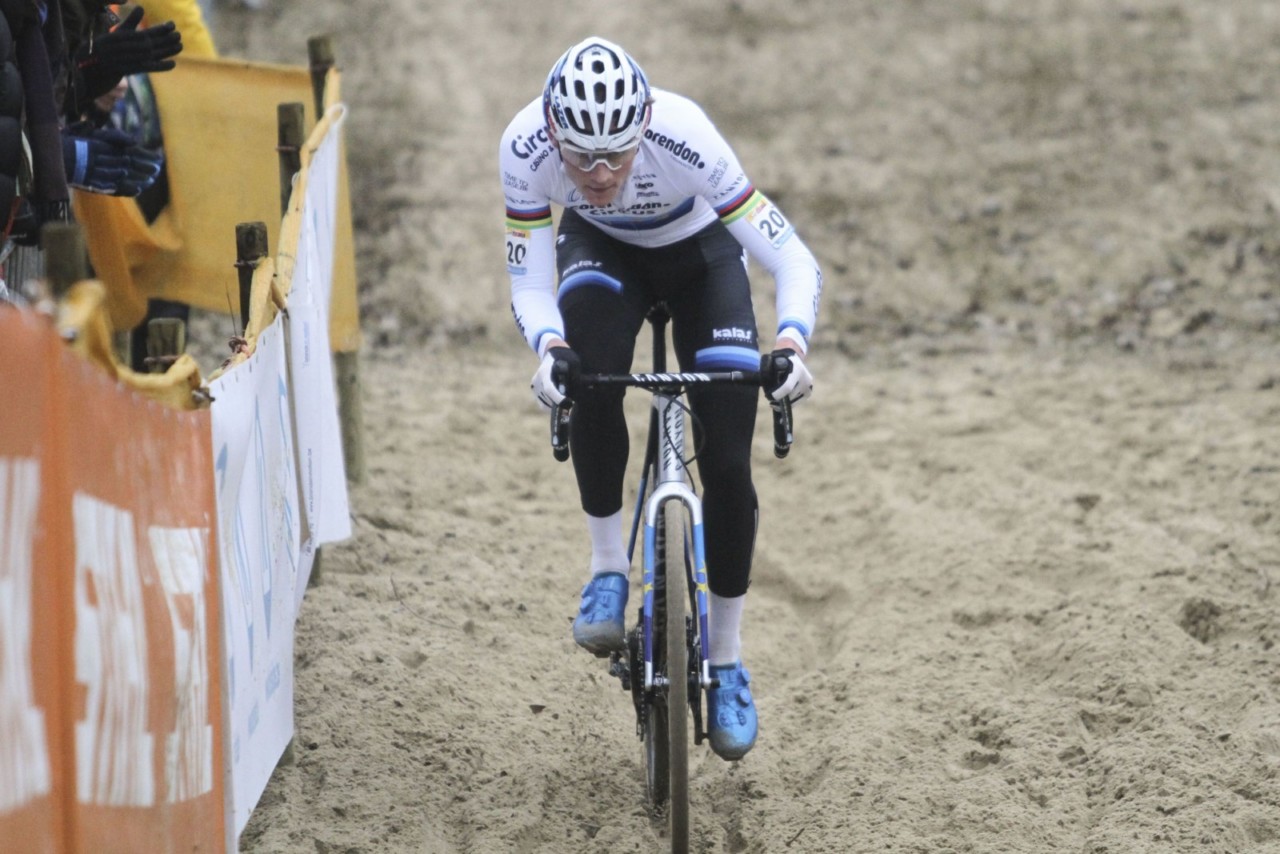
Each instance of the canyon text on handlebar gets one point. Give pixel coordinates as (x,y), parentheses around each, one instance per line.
(673,384)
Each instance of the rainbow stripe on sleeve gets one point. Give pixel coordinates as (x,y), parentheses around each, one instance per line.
(529,219)
(738,206)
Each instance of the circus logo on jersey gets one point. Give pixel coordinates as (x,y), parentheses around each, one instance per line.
(524,147)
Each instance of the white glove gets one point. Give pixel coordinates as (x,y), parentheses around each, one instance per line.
(799,382)
(545,389)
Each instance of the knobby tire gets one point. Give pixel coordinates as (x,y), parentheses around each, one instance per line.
(666,741)
(678,676)
(656,725)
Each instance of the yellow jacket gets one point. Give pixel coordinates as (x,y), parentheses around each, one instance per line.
(187,17)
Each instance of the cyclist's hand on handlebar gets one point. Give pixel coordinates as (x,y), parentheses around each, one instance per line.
(556,377)
(786,377)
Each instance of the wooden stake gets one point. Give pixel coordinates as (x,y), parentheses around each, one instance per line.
(166,341)
(347,378)
(320,52)
(65,258)
(251,247)
(290,134)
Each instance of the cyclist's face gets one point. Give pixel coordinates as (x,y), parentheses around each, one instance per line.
(600,185)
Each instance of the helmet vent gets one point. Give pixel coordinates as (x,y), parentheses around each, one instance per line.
(631,116)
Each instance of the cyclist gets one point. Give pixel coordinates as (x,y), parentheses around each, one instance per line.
(656,208)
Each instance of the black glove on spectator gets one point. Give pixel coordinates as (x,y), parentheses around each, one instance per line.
(127,50)
(108,161)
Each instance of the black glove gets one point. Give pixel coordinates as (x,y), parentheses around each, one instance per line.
(786,376)
(565,369)
(108,161)
(127,50)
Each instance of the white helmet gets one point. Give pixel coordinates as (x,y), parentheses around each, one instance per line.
(596,97)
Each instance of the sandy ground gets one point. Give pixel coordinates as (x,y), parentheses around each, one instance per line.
(1015,588)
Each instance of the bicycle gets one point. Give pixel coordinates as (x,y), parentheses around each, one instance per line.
(665,666)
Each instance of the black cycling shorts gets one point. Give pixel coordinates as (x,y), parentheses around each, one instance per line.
(607,288)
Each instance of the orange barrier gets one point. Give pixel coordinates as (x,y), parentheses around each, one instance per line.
(111,706)
(32,774)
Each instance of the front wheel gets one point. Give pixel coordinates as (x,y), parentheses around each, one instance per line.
(655,725)
(666,715)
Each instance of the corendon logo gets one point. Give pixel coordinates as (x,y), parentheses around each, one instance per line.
(679,149)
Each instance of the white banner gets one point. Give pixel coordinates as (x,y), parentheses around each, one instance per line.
(323,474)
(259,542)
(313,271)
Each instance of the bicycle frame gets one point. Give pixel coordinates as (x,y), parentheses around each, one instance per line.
(666,478)
(673,484)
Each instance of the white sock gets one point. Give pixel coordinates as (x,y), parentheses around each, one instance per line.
(725,618)
(608,553)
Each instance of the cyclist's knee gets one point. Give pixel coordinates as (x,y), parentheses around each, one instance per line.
(726,473)
(599,399)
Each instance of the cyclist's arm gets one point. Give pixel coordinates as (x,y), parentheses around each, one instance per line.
(771,240)
(530,241)
(530,248)
(760,227)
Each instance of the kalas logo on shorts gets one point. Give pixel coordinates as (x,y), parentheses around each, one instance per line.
(680,149)
(733,333)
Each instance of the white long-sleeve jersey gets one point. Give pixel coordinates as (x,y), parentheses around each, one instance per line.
(684,177)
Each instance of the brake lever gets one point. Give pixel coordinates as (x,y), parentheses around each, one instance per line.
(782,434)
(776,369)
(560,431)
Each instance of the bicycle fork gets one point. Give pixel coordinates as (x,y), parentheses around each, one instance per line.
(672,485)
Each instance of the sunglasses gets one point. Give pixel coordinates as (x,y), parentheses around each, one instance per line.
(585,161)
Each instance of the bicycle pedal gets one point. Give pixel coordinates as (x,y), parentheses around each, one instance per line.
(621,670)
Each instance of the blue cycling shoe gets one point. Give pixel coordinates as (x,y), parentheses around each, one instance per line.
(598,627)
(731,713)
